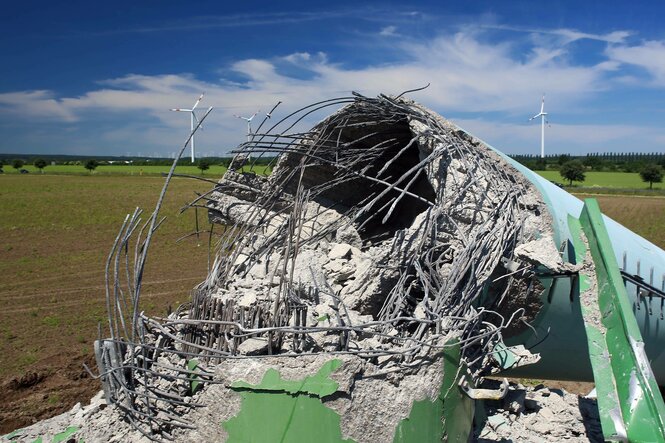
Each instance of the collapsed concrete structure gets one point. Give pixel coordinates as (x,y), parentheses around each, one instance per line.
(380,235)
(385,243)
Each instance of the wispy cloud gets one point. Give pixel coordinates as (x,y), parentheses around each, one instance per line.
(256,19)
(232,21)
(565,35)
(389,31)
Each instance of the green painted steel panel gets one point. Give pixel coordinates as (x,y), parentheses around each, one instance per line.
(641,410)
(278,410)
(608,400)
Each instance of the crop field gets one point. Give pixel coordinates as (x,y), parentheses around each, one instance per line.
(619,180)
(55,234)
(644,215)
(214,171)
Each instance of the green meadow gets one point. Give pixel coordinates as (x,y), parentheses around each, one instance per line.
(618,180)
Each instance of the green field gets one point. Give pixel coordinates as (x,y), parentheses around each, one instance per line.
(602,180)
(214,171)
(618,180)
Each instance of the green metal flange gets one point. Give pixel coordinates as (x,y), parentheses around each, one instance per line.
(630,404)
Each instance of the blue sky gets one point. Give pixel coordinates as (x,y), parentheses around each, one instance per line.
(99,77)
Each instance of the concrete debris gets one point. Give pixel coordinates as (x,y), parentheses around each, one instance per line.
(381,234)
(538,414)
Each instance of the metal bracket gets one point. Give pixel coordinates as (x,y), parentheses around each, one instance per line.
(484,394)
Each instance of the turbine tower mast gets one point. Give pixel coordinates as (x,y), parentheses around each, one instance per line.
(192,117)
(543,120)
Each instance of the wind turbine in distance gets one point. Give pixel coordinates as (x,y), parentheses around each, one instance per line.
(543,120)
(249,123)
(192,117)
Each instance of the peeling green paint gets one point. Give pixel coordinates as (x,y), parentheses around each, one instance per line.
(318,384)
(449,417)
(194,383)
(423,423)
(278,410)
(57,438)
(458,408)
(64,435)
(13,434)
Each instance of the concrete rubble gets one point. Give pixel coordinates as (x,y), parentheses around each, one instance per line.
(381,234)
(538,414)
(526,414)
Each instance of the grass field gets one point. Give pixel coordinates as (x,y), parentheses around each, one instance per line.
(55,233)
(620,180)
(214,171)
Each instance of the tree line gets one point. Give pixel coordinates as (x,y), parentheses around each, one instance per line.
(650,166)
(609,162)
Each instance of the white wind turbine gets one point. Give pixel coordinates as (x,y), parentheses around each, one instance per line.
(543,120)
(249,123)
(192,117)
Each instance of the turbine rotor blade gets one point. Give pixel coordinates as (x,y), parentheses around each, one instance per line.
(197,102)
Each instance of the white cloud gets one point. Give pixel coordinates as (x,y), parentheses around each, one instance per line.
(650,55)
(35,104)
(389,31)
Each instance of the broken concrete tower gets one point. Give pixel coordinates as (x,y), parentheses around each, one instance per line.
(384,238)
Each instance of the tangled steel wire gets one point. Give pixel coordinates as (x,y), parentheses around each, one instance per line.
(433,214)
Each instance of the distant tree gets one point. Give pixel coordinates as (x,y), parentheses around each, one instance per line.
(652,174)
(563,158)
(17,163)
(573,170)
(91,165)
(633,166)
(203,165)
(540,164)
(40,164)
(1,165)
(593,162)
